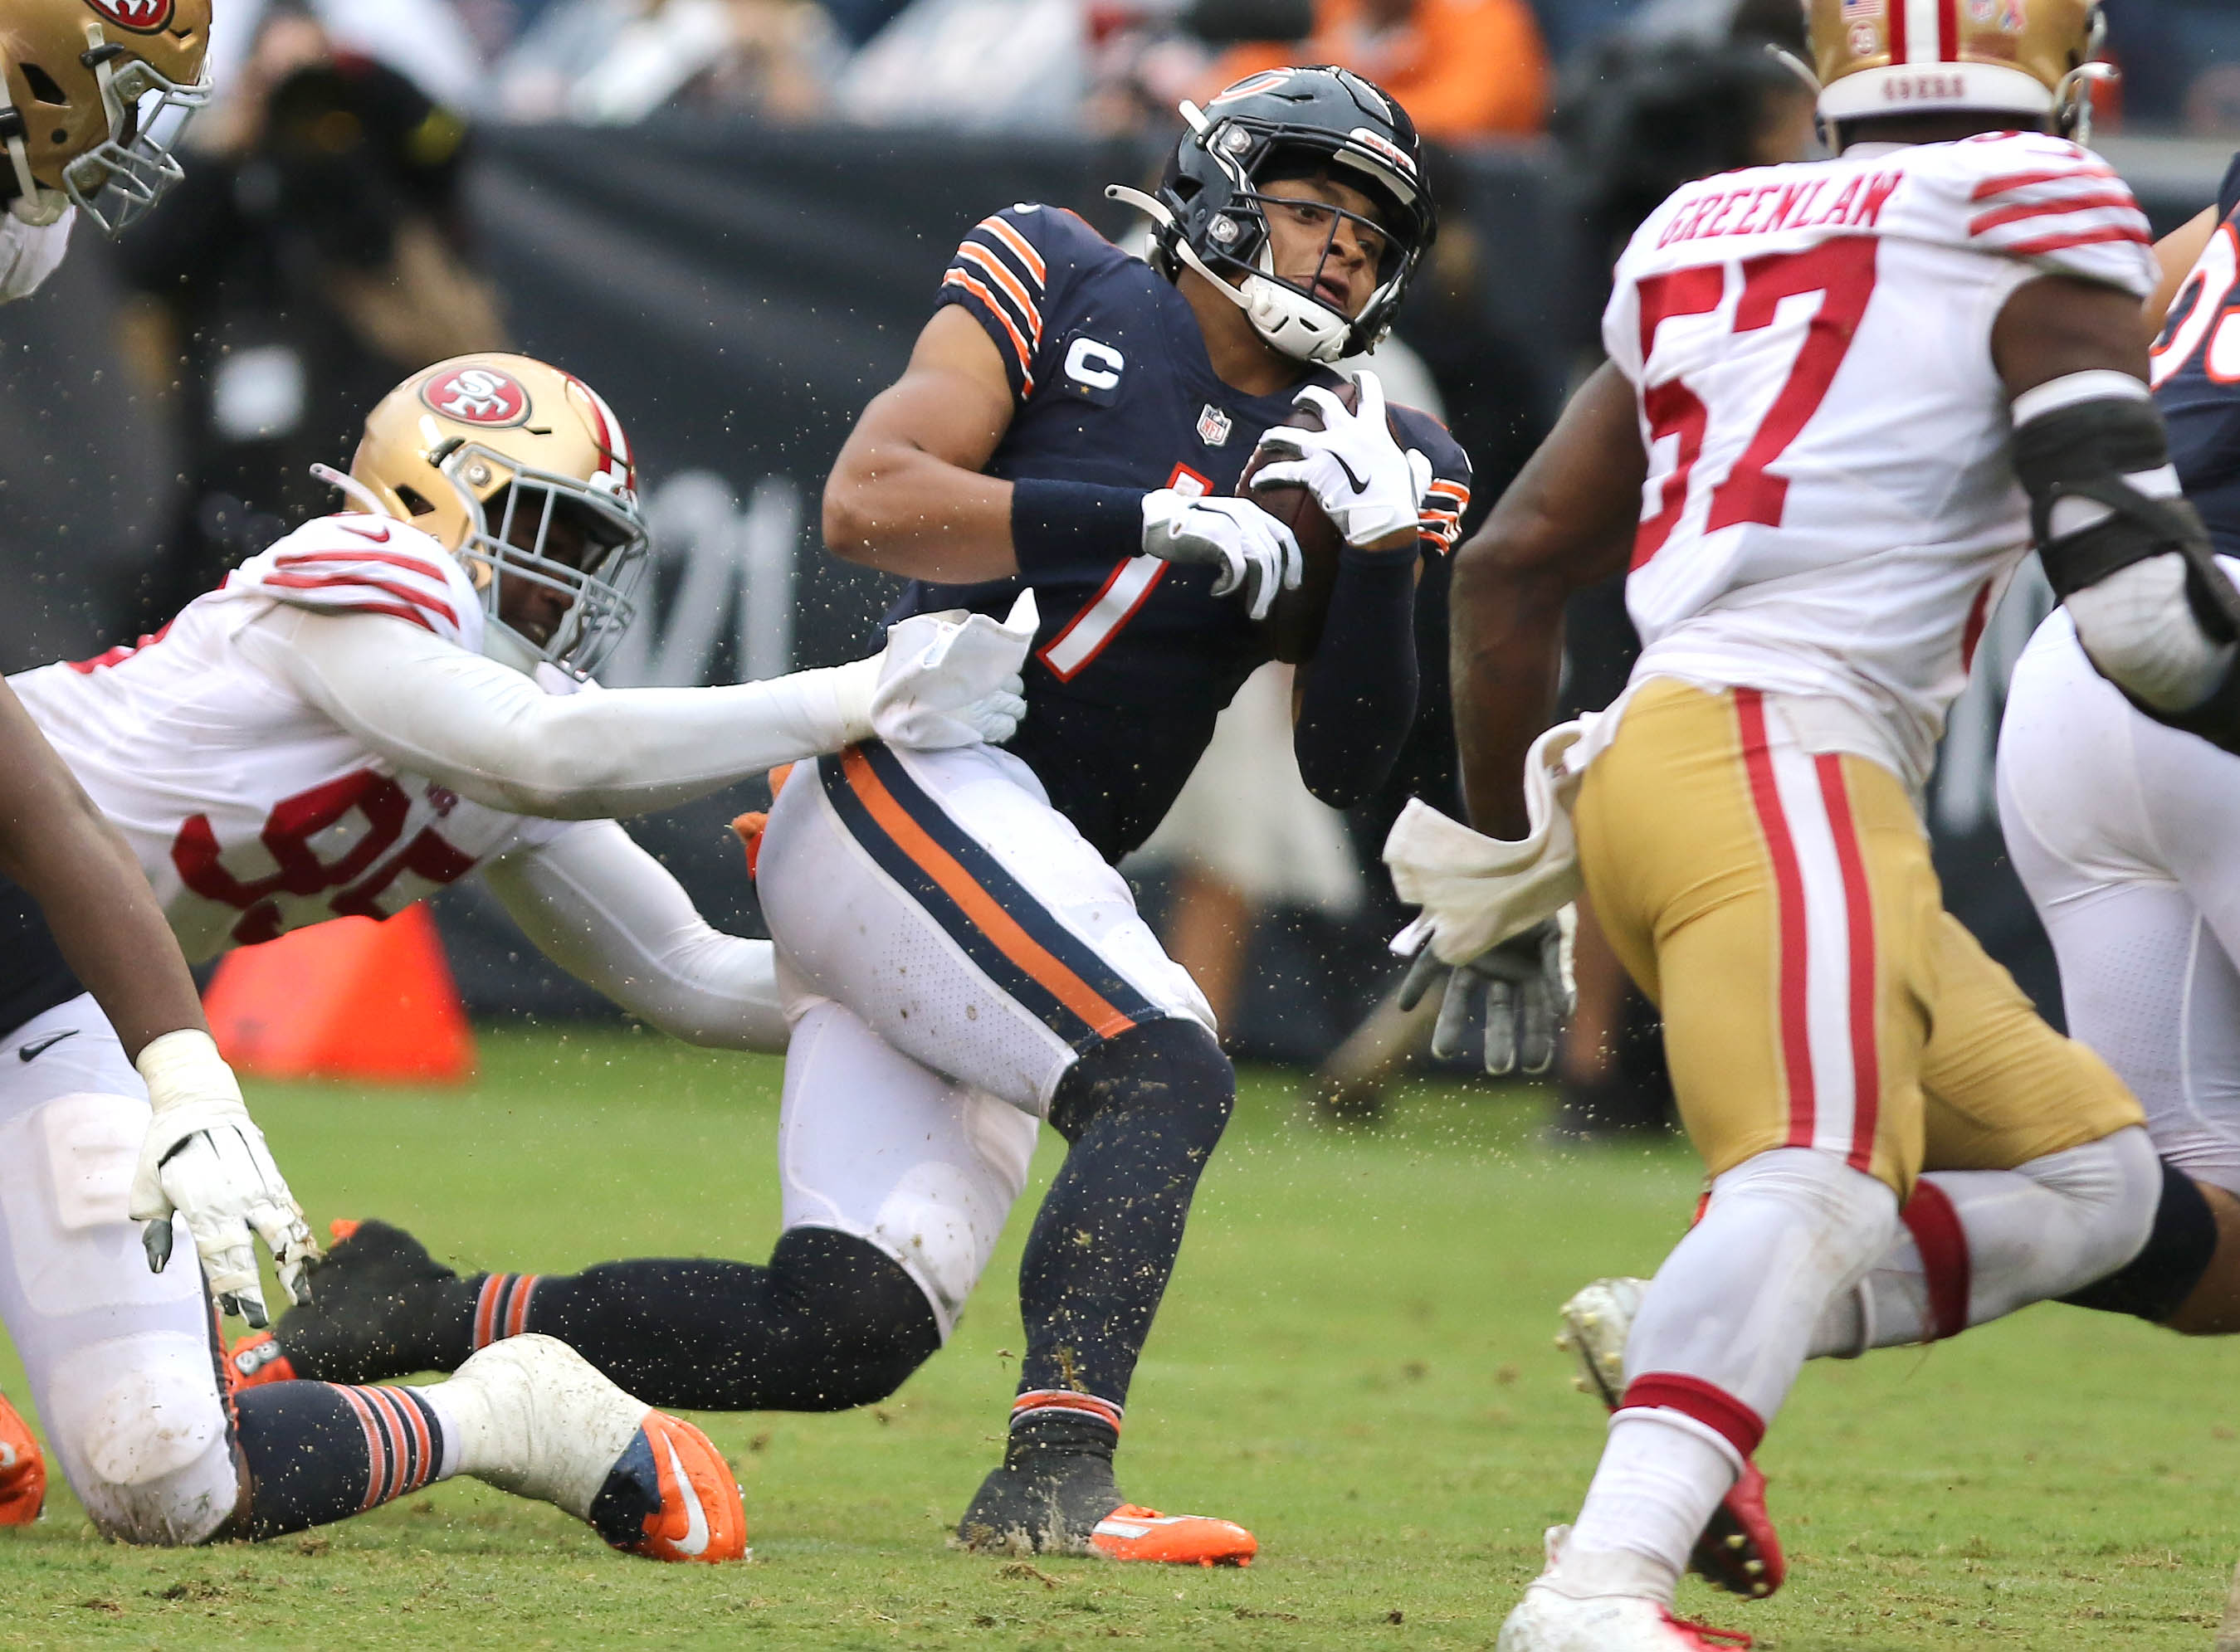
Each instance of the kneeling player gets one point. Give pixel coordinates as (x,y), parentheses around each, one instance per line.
(380,704)
(961,958)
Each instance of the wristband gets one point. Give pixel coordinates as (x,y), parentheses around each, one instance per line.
(1060,524)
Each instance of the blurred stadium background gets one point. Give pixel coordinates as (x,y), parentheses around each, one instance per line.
(730,216)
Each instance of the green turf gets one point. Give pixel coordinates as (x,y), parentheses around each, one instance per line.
(1355,1360)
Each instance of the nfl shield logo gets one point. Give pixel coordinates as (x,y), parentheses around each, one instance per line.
(1212,426)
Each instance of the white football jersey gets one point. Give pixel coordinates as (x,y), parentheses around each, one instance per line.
(1831,508)
(252,811)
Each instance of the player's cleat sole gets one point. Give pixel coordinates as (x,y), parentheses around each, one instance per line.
(1130,1533)
(1739,1551)
(377,1310)
(23,1470)
(1066,1503)
(539,1420)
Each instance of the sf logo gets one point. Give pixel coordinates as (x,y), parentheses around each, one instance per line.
(142,15)
(477,396)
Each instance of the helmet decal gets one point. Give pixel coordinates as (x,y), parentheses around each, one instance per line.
(141,16)
(1385,146)
(480,396)
(1266,81)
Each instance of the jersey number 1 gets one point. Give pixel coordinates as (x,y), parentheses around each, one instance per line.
(1841,271)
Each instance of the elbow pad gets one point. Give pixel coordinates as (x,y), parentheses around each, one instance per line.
(2126,553)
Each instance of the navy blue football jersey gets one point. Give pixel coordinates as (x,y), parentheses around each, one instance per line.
(1110,384)
(2196,375)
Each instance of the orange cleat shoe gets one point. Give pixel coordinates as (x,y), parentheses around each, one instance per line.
(1130,1533)
(701,1516)
(23,1470)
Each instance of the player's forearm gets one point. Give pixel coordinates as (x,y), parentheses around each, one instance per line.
(1505,655)
(893,506)
(491,734)
(105,917)
(607,912)
(1358,700)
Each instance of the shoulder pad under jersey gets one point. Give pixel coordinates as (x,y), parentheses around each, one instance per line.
(356,563)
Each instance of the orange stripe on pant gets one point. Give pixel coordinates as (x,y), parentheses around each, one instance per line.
(999,926)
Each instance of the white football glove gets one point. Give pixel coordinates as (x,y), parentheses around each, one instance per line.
(953,678)
(1367,484)
(1255,552)
(1526,983)
(206,1158)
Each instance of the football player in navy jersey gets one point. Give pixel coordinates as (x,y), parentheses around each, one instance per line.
(959,956)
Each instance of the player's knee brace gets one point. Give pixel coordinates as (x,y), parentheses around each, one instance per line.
(874,1318)
(2178,1249)
(1171,1067)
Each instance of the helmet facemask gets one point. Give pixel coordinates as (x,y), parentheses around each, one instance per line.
(551,533)
(119,178)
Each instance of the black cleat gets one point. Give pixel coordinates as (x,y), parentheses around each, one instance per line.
(380,1307)
(1041,1502)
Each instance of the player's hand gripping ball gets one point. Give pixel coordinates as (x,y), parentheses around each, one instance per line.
(1334,475)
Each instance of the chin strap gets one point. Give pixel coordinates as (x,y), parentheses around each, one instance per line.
(32,204)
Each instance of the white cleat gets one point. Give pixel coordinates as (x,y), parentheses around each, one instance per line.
(1548,1619)
(538,1419)
(1597,1322)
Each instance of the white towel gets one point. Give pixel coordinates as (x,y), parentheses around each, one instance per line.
(1476,891)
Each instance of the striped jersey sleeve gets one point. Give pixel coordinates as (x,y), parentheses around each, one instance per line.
(1447,500)
(363,564)
(2059,206)
(1002,274)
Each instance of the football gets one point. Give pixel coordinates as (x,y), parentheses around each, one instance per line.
(1294,625)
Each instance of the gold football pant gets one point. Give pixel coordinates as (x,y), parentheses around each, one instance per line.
(1780,908)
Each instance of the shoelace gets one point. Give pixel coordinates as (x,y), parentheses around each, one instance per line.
(1722,1637)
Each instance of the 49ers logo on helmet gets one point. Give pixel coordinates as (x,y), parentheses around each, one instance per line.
(142,16)
(477,396)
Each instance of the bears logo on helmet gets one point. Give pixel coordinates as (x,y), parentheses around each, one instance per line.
(480,395)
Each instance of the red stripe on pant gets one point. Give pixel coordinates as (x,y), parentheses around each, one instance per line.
(1788,887)
(1944,1246)
(1859,920)
(1704,1402)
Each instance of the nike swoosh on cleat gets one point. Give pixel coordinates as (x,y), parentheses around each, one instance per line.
(1359,486)
(39,1047)
(695,1541)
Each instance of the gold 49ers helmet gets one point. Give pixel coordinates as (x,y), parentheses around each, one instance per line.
(1878,57)
(97,92)
(524,474)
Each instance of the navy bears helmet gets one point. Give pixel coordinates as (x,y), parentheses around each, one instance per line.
(1285,123)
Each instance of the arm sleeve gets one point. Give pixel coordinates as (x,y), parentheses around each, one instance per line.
(1003,276)
(611,914)
(492,735)
(1359,698)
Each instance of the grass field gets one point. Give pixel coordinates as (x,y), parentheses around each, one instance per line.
(1355,1360)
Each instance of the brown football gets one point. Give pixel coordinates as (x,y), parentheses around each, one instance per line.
(1294,625)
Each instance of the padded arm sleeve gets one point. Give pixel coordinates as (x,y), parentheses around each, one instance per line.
(2121,547)
(491,734)
(611,915)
